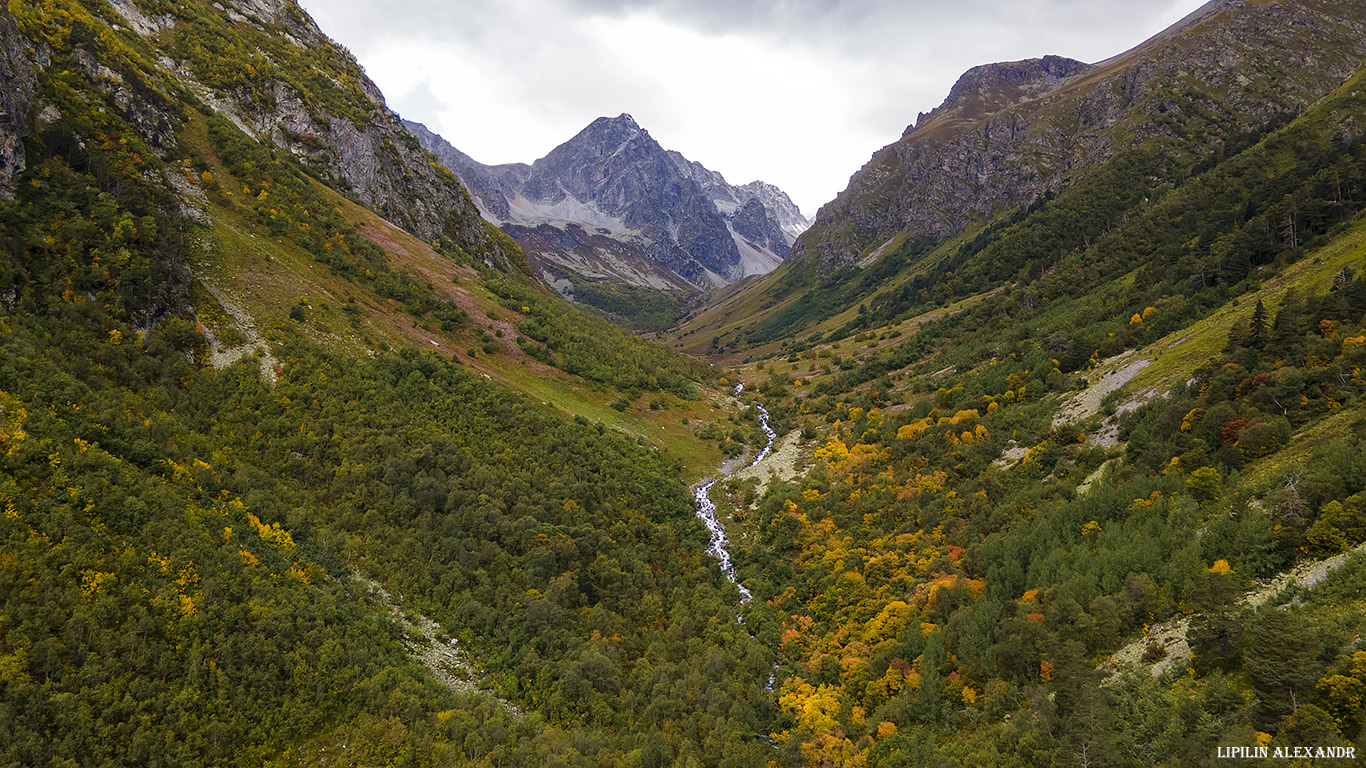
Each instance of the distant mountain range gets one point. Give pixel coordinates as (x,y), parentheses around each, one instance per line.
(612,204)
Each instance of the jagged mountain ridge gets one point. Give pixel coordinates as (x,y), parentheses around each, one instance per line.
(764,221)
(612,204)
(1012,136)
(1012,132)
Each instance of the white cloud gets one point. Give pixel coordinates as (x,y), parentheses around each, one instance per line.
(799,93)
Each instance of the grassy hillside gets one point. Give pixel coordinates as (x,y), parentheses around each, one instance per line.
(278,290)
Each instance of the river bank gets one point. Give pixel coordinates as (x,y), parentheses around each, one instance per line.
(706,509)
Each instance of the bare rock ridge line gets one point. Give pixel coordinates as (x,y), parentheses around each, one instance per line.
(612,204)
(364,149)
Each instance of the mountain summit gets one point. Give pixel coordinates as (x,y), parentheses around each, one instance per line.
(612,204)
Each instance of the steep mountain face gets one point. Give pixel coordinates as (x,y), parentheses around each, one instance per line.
(762,218)
(305,94)
(1010,133)
(612,204)
(489,191)
(784,212)
(15,100)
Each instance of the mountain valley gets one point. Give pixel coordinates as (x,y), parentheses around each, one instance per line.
(322,443)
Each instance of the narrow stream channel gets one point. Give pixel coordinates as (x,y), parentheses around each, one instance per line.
(706,510)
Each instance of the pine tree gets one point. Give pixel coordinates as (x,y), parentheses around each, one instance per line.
(926,704)
(1288,329)
(1216,630)
(1257,331)
(1282,659)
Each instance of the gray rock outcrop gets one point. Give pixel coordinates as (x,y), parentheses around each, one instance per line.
(348,136)
(16,100)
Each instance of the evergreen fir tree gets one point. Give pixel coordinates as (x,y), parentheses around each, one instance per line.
(1257,332)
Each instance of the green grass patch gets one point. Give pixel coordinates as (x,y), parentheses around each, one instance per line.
(1176,356)
(1259,477)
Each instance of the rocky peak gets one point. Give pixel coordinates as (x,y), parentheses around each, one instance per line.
(622,122)
(610,133)
(780,207)
(597,161)
(602,139)
(611,203)
(990,88)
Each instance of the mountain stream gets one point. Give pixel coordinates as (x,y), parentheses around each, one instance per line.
(706,510)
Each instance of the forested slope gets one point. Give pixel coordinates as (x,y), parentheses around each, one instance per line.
(179,543)
(974,540)
(179,538)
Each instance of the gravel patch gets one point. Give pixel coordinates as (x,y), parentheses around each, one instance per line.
(1086,403)
(1170,636)
(780,463)
(427,642)
(1306,576)
(1011,456)
(221,356)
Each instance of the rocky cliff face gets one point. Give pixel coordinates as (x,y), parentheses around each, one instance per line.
(267,66)
(375,156)
(1011,132)
(490,192)
(990,88)
(762,218)
(612,204)
(16,100)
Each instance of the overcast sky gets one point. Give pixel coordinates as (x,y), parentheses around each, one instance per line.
(798,93)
